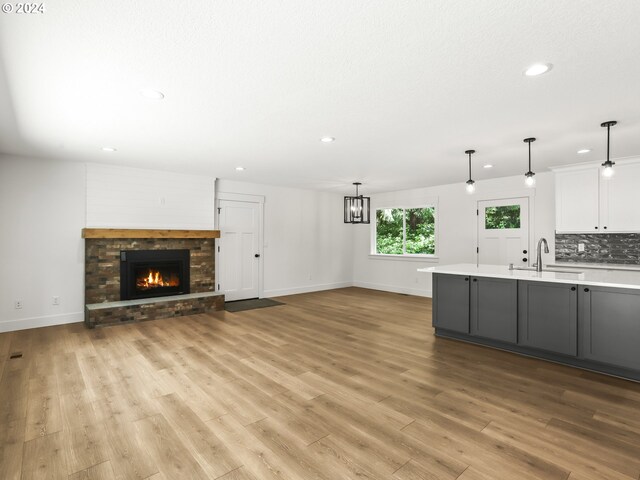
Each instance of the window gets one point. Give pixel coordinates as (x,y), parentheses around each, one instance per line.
(507,216)
(405,231)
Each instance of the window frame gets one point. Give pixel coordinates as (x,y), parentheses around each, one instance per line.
(432,203)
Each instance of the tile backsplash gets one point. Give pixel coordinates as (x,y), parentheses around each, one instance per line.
(614,248)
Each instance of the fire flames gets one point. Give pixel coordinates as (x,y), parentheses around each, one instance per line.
(154,279)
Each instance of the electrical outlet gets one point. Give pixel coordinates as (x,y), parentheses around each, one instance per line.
(55,300)
(581,247)
(17,304)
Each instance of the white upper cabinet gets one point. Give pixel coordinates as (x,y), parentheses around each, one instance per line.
(587,202)
(620,199)
(577,200)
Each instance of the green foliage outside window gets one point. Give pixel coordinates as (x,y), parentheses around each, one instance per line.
(400,231)
(507,216)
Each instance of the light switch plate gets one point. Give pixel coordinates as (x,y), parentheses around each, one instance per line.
(581,247)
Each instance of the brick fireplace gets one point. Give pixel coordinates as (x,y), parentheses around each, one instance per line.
(112,256)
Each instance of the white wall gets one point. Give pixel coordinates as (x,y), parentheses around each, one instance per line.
(121,197)
(42,213)
(456,230)
(307,247)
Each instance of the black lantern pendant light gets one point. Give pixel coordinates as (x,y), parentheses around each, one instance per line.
(607,171)
(529,177)
(471,185)
(356,209)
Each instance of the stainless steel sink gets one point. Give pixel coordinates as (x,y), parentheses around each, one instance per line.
(574,272)
(556,270)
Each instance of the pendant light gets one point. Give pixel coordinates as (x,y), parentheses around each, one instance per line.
(471,185)
(357,208)
(529,177)
(607,171)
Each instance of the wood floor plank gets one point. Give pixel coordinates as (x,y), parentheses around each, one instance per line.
(210,452)
(44,415)
(240,473)
(169,453)
(102,471)
(293,456)
(43,458)
(256,457)
(129,456)
(11,447)
(14,391)
(68,373)
(85,447)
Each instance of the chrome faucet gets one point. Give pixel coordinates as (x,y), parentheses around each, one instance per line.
(538,264)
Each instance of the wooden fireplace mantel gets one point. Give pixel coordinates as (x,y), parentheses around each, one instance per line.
(144,233)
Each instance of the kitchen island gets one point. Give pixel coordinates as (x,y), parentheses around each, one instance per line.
(588,319)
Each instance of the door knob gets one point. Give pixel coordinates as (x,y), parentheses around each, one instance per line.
(257,255)
(573,289)
(525,259)
(524,251)
(586,289)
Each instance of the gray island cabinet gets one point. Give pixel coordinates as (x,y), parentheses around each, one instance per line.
(566,321)
(610,325)
(494,309)
(548,316)
(452,311)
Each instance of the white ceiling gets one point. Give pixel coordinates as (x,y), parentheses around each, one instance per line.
(404,86)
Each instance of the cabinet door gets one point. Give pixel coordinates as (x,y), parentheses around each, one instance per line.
(494,308)
(619,197)
(577,200)
(451,302)
(548,316)
(610,325)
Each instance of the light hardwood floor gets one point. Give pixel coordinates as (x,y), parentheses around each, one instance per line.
(344,384)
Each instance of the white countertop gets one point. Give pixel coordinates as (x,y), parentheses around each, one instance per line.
(602,266)
(593,277)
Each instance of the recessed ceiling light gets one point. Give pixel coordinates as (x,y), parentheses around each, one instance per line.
(109,149)
(240,169)
(584,150)
(152,94)
(537,69)
(488,165)
(328,139)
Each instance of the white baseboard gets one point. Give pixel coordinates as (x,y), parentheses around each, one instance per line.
(37,322)
(307,289)
(395,289)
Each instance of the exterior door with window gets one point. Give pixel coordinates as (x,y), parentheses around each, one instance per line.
(239,258)
(503,232)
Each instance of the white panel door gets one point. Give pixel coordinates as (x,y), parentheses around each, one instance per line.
(239,257)
(503,232)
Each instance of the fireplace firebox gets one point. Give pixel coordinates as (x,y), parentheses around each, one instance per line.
(153,273)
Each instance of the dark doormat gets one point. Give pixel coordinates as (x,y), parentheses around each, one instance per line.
(241,305)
